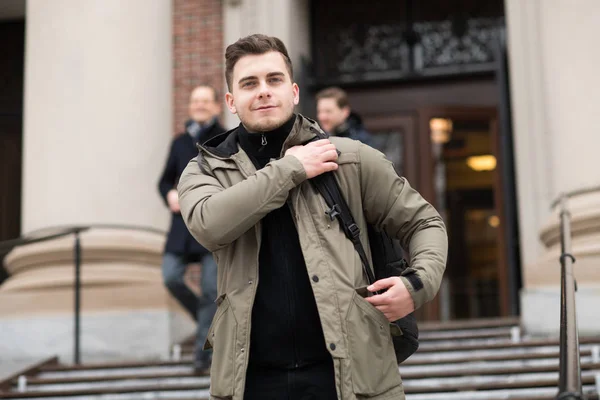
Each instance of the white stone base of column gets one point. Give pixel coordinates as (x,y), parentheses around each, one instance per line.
(108,336)
(540,297)
(126,312)
(540,311)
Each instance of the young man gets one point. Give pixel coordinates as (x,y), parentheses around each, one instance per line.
(181,248)
(336,117)
(290,322)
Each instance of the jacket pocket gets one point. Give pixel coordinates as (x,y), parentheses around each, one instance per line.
(372,357)
(221,338)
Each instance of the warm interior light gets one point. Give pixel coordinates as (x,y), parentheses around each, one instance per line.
(441,129)
(494,221)
(482,163)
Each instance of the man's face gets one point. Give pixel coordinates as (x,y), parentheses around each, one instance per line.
(330,115)
(262,93)
(203,106)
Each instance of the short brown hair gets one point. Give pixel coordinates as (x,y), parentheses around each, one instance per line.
(336,93)
(254,44)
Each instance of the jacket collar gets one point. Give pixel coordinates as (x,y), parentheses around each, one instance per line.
(226,144)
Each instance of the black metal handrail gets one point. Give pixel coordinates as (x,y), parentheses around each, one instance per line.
(569,384)
(66,230)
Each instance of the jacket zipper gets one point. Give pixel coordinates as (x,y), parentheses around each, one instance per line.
(291,309)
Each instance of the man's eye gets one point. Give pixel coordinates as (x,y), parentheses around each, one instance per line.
(276,80)
(248,84)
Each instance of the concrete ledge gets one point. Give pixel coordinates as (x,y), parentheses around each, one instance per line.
(105,336)
(540,310)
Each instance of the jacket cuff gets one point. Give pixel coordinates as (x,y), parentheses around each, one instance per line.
(418,293)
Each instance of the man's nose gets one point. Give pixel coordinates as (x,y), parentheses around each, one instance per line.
(264,90)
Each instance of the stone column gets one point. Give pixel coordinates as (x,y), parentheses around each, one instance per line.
(97,126)
(555,98)
(286,19)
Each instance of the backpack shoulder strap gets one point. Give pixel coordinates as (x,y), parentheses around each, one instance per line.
(328,187)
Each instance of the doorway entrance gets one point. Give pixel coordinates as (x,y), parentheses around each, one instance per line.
(460,155)
(451,155)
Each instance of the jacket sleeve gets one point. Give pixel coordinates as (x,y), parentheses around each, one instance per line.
(216,216)
(168,179)
(392,205)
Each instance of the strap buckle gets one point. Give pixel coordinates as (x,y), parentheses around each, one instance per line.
(333,212)
(354,231)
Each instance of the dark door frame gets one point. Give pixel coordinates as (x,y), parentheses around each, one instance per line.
(12,34)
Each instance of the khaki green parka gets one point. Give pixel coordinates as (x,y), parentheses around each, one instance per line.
(222,205)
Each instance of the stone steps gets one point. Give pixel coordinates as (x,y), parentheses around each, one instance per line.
(477,360)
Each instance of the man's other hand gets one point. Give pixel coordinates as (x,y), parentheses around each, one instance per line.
(316,157)
(396,302)
(173,200)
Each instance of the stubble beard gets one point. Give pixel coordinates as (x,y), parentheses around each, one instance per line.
(268,123)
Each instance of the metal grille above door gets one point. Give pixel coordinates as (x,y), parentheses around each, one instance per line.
(356,41)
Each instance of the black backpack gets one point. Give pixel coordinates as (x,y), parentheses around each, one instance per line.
(387,259)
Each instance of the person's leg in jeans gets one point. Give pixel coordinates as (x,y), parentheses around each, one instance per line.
(173,270)
(206,310)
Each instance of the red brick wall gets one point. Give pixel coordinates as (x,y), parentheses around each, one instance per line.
(198,53)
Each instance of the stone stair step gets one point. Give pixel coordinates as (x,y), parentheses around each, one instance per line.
(488,368)
(147,389)
(433,383)
(502,332)
(463,345)
(498,354)
(109,365)
(110,383)
(469,324)
(111,375)
(492,382)
(503,394)
(145,395)
(182,368)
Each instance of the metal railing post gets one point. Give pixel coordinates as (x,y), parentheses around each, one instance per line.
(569,387)
(77,290)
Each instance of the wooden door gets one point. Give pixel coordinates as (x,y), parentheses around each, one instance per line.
(396,136)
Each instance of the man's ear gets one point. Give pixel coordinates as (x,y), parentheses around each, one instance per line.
(296,90)
(346,112)
(230,103)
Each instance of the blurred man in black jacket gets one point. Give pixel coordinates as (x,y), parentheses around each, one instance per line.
(181,248)
(337,118)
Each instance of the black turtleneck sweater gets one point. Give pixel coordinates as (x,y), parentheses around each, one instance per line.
(286,330)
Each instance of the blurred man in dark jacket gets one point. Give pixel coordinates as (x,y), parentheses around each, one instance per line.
(337,118)
(181,248)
